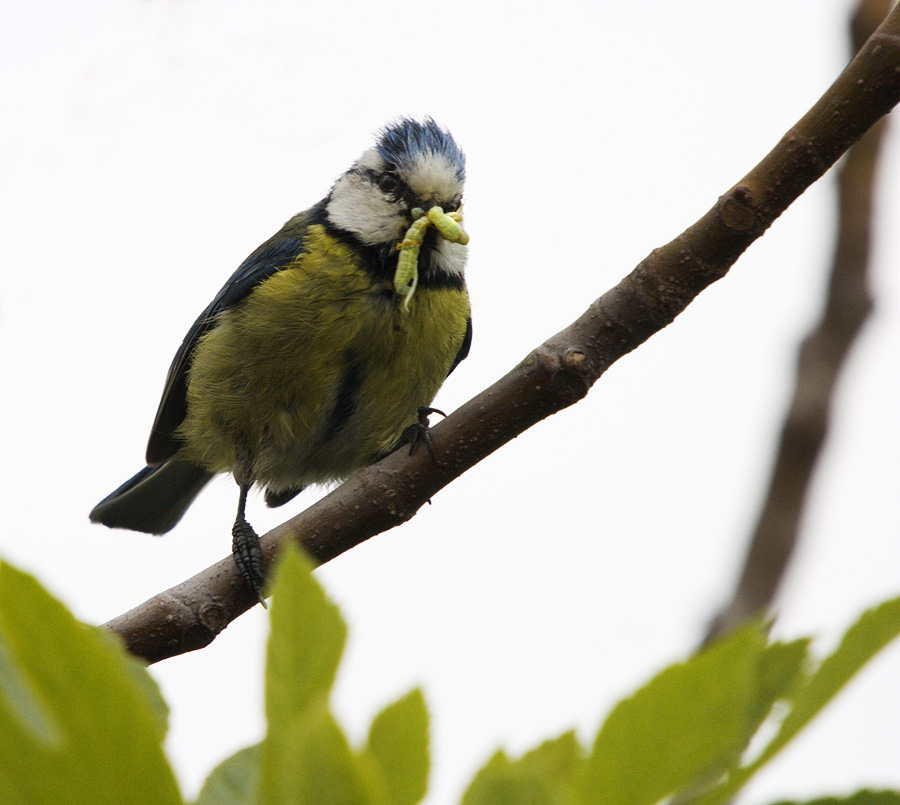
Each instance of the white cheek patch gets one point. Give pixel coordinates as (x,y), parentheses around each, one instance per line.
(359,207)
(434,176)
(449,258)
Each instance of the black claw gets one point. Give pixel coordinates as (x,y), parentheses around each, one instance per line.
(419,432)
(248,556)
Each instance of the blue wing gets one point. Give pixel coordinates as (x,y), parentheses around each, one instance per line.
(464,347)
(274,255)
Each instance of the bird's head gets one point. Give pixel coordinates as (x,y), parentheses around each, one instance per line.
(414,165)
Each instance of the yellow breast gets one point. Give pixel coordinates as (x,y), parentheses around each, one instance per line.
(319,370)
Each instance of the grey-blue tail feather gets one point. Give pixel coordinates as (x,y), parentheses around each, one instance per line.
(154,500)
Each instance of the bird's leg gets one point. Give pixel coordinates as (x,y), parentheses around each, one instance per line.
(245,547)
(419,431)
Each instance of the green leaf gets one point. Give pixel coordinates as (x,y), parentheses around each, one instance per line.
(398,745)
(80,722)
(26,710)
(872,632)
(305,646)
(859,798)
(499,782)
(305,758)
(314,765)
(690,721)
(142,680)
(234,781)
(544,776)
(782,670)
(559,760)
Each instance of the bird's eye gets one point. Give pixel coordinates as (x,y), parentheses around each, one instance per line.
(388,182)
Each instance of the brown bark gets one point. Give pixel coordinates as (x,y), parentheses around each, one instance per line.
(556,374)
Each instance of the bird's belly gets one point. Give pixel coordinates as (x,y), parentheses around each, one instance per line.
(323,455)
(314,403)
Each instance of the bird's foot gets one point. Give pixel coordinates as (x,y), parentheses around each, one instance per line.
(419,432)
(248,556)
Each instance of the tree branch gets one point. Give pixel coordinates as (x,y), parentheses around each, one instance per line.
(821,357)
(556,374)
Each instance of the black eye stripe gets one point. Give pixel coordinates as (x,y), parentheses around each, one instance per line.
(387,181)
(400,190)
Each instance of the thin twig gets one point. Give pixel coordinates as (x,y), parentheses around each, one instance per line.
(558,373)
(822,354)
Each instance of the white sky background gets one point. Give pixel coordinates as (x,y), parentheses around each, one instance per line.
(149,146)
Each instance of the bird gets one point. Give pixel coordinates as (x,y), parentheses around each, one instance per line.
(323,351)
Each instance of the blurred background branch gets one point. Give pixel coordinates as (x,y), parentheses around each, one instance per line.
(822,355)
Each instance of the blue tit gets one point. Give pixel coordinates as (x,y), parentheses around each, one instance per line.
(312,362)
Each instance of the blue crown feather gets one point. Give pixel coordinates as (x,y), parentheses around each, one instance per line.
(401,142)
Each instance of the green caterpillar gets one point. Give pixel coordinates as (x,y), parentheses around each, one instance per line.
(447,224)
